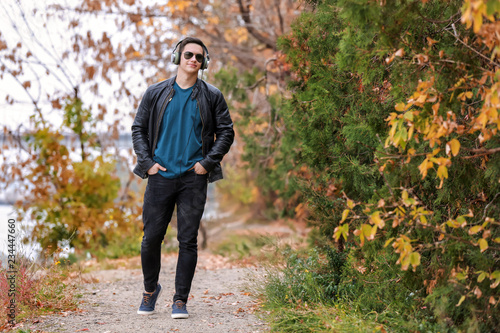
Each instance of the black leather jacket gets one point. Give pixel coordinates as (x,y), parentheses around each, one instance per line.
(217,133)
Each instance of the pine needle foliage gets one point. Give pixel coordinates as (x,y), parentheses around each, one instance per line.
(394,109)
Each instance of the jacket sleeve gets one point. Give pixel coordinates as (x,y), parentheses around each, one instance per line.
(140,137)
(224,134)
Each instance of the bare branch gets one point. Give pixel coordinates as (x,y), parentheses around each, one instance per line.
(488,206)
(37,41)
(33,100)
(482,152)
(245,14)
(474,50)
(282,29)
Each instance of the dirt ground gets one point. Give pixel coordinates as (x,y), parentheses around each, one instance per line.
(223,297)
(221,300)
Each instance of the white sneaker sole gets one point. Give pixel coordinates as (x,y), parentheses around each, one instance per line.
(180,316)
(147,313)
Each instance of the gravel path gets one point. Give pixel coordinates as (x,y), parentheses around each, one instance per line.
(220,301)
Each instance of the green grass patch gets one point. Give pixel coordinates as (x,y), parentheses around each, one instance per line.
(322,290)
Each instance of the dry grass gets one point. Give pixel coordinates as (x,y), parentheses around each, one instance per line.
(36,290)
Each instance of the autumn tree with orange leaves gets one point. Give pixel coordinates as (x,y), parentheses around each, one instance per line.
(82,71)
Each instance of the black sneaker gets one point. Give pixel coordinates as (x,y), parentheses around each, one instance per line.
(179,310)
(149,301)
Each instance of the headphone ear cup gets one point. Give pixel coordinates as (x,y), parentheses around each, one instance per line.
(176,57)
(206,61)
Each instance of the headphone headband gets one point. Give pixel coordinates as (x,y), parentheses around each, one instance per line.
(176,56)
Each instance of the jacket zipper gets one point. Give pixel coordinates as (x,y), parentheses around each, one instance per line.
(167,100)
(202,128)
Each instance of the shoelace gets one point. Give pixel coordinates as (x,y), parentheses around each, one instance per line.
(146,297)
(179,304)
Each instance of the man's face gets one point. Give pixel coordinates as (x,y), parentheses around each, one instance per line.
(191,65)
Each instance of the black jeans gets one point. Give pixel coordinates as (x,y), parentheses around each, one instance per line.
(189,192)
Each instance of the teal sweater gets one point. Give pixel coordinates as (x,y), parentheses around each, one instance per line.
(179,139)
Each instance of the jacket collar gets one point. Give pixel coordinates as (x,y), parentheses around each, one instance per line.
(196,88)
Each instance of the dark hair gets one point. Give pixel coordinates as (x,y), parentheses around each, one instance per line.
(192,40)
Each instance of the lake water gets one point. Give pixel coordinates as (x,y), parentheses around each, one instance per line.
(32,251)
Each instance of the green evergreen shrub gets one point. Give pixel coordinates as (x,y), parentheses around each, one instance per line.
(359,69)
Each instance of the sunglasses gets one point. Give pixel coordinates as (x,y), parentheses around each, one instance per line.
(188,55)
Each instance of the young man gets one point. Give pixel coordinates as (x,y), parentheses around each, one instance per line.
(181,132)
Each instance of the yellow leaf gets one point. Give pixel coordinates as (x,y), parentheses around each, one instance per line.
(462,221)
(408,116)
(410,132)
(424,166)
(342,230)
(478,21)
(373,232)
(483,244)
(387,242)
(454,146)
(462,299)
(363,232)
(400,107)
(375,219)
(452,223)
(336,233)
(345,230)
(404,195)
(344,214)
(474,230)
(366,229)
(442,172)
(481,277)
(415,259)
(495,276)
(350,203)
